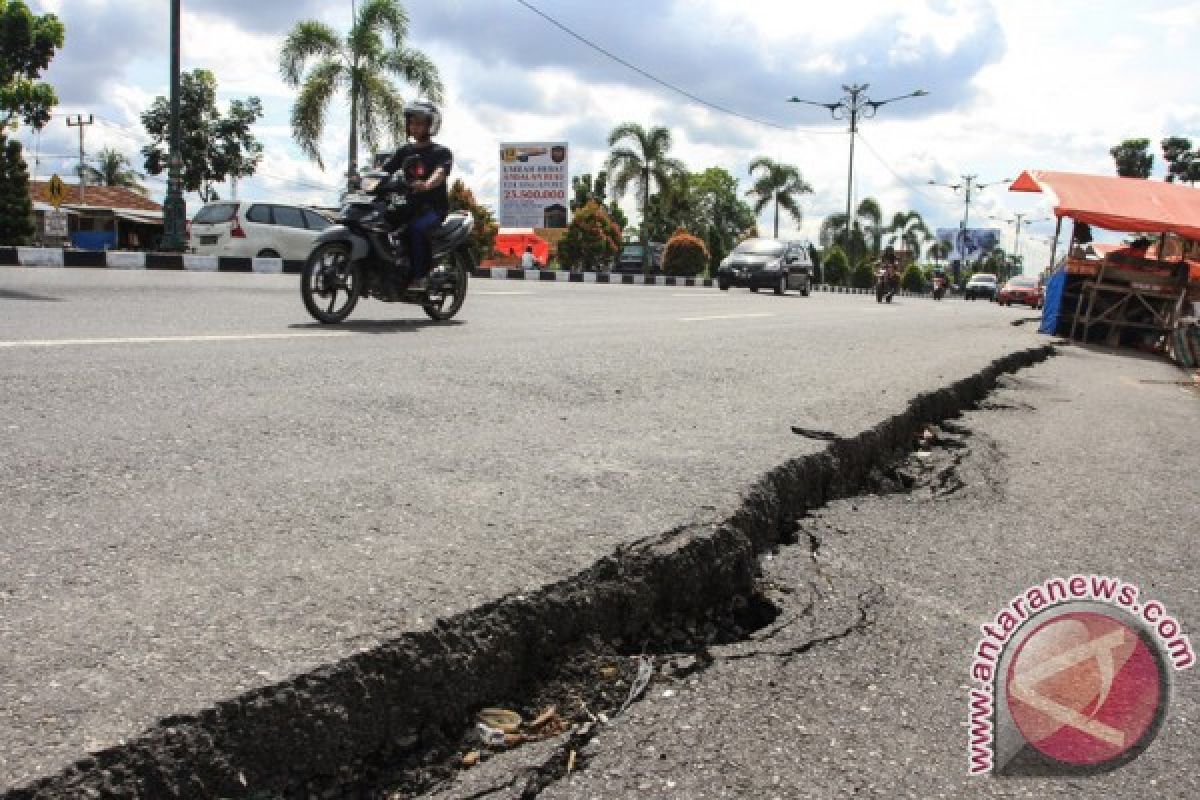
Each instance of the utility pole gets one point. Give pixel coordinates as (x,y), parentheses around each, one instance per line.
(969,185)
(852,107)
(174,206)
(1020,221)
(78,121)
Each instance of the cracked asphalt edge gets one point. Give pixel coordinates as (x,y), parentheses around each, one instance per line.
(332,727)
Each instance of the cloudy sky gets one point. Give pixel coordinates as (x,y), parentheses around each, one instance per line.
(1013,84)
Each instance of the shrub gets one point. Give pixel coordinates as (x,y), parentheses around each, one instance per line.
(836,266)
(912,280)
(863,276)
(592,240)
(685,255)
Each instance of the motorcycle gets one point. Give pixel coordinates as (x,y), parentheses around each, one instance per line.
(885,284)
(939,287)
(358,256)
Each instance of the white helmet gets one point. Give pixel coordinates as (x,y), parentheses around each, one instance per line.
(427,110)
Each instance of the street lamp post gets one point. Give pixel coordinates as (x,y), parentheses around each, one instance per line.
(852,107)
(174,206)
(1019,221)
(969,185)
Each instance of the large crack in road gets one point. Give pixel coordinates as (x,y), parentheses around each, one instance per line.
(392,721)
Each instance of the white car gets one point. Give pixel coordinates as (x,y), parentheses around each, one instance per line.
(255,230)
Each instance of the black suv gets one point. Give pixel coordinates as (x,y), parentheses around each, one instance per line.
(768,264)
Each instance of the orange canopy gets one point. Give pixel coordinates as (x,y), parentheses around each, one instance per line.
(1128,205)
(513,244)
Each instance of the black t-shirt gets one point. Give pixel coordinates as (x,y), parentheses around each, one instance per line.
(428,159)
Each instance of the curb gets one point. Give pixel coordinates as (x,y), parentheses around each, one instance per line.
(327,732)
(120,259)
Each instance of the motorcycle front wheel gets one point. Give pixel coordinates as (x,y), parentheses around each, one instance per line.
(448,286)
(330,284)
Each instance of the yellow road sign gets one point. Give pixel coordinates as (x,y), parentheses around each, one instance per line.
(56,190)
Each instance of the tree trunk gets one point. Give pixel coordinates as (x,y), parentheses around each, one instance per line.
(646,221)
(352,158)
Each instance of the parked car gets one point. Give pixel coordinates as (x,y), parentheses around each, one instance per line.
(629,260)
(768,264)
(255,230)
(982,284)
(1023,290)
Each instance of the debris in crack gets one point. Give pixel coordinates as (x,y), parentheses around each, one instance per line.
(810,433)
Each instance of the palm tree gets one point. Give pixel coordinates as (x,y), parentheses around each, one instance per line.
(113,168)
(939,251)
(866,233)
(909,228)
(363,65)
(781,183)
(646,160)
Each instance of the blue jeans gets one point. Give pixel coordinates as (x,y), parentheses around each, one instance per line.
(420,245)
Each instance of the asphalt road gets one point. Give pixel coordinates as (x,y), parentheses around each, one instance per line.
(205,492)
(1086,464)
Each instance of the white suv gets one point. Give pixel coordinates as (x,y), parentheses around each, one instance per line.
(255,230)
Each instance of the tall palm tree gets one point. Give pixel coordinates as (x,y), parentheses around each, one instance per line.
(645,160)
(939,251)
(909,229)
(113,168)
(866,230)
(781,183)
(362,65)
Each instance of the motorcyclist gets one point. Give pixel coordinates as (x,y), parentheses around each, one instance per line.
(428,167)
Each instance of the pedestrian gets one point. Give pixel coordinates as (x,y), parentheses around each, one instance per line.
(527,260)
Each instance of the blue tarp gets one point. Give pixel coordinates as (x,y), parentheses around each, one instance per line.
(94,240)
(1052,305)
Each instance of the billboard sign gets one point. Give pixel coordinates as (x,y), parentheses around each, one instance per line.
(970,244)
(534,185)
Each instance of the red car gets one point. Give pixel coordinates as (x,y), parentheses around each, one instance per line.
(1026,291)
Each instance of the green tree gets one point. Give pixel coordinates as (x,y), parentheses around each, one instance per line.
(646,160)
(28,43)
(719,213)
(1133,159)
(485,230)
(113,168)
(592,240)
(685,255)
(16,207)
(672,207)
(908,228)
(585,189)
(778,184)
(939,251)
(862,276)
(913,280)
(866,231)
(835,265)
(363,64)
(1183,163)
(213,146)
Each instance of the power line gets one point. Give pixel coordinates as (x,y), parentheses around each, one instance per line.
(665,84)
(911,186)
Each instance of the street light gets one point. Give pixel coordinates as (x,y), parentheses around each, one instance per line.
(174,206)
(1019,222)
(969,185)
(854,105)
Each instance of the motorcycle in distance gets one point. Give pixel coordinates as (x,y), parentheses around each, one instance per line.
(885,283)
(939,285)
(357,257)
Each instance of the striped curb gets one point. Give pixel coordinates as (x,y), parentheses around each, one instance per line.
(118,259)
(122,260)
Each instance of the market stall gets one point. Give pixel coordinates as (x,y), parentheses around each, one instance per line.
(1127,295)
